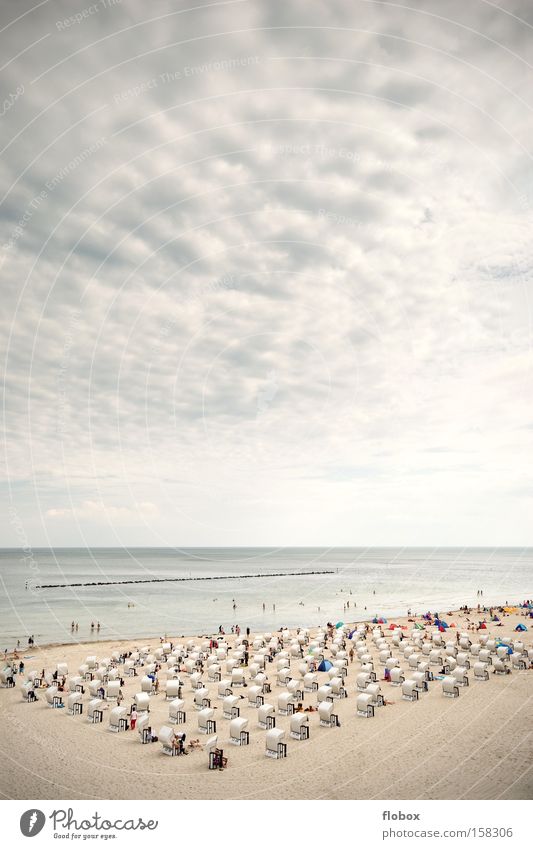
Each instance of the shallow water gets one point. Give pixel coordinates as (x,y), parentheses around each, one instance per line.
(385,581)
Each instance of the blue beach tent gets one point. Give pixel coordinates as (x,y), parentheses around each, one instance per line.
(324,666)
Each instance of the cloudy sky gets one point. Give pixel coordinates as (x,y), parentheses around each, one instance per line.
(266,272)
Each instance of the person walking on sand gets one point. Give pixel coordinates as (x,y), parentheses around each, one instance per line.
(133,719)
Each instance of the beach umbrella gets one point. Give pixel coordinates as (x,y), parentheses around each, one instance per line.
(339,624)
(325,665)
(382,621)
(441,629)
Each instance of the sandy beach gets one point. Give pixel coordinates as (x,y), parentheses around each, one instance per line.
(477,746)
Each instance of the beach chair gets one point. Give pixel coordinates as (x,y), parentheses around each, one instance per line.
(266,717)
(384,656)
(502,652)
(237,678)
(176,712)
(338,690)
(310,682)
(413,661)
(238,735)
(231,664)
(483,639)
(499,667)
(450,688)
(129,668)
(201,698)
(143,729)
(74,704)
(118,719)
(368,667)
(462,659)
(518,661)
(323,694)
(173,689)
(491,645)
(283,676)
(397,676)
(113,689)
(327,718)
(95,711)
(206,721)
(365,705)
(275,747)
(484,656)
(295,688)
(95,686)
(423,667)
(54,698)
(213,672)
(409,690)
(255,696)
(465,642)
(376,696)
(436,638)
(168,741)
(420,681)
(363,679)
(475,648)
(7,678)
(366,658)
(91,661)
(286,704)
(142,702)
(26,689)
(62,670)
(450,650)
(481,672)
(85,672)
(299,726)
(230,707)
(147,685)
(436,657)
(224,688)
(426,649)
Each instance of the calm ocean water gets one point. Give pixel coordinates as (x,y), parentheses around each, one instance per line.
(385,581)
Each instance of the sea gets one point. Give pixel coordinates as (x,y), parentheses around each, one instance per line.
(194,591)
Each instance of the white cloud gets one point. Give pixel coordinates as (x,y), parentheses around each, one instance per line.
(365,186)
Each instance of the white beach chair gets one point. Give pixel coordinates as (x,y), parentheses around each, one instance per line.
(176,712)
(213,672)
(62,670)
(238,735)
(167,740)
(206,721)
(461,676)
(518,661)
(462,659)
(26,688)
(481,671)
(299,727)
(173,689)
(450,688)
(323,694)
(118,719)
(142,702)
(95,711)
(296,688)
(147,685)
(363,679)
(74,704)
(76,684)
(144,729)
(201,698)
(112,691)
(413,660)
(195,680)
(436,657)
(283,676)
(266,717)
(365,705)
(409,690)
(326,715)
(255,696)
(237,678)
(376,696)
(475,648)
(420,680)
(484,656)
(224,688)
(54,698)
(397,676)
(286,704)
(384,656)
(231,707)
(275,747)
(338,690)
(310,682)
(499,667)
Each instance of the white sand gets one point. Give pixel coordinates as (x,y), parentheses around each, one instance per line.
(479,746)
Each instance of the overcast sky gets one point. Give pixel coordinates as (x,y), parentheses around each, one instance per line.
(267,272)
